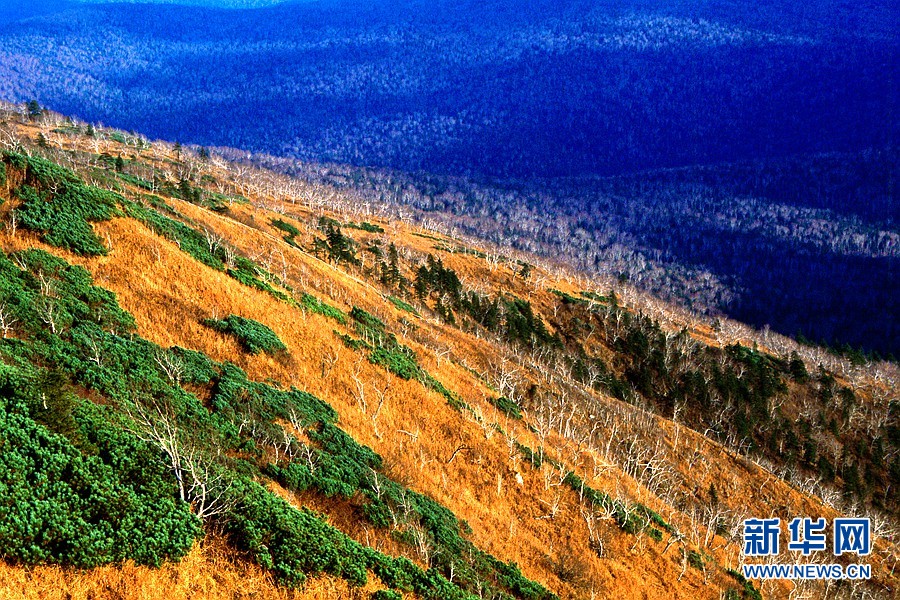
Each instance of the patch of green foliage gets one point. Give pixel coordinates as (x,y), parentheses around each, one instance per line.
(103,502)
(535,459)
(60,206)
(391,275)
(568,298)
(186,190)
(189,240)
(292,543)
(513,317)
(135,181)
(633,519)
(251,275)
(608,299)
(460,250)
(335,246)
(524,327)
(428,237)
(252,335)
(290,231)
(403,305)
(748,592)
(220,202)
(387,352)
(313,304)
(441,285)
(196,245)
(69,130)
(434,280)
(507,406)
(365,226)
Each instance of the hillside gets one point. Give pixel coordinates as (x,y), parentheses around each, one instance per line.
(706,151)
(716,239)
(217,380)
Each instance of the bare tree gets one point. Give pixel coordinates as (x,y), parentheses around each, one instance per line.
(171,365)
(13,224)
(7,320)
(213,240)
(381,393)
(200,483)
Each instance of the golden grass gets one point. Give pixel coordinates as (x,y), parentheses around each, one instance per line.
(417,433)
(211,571)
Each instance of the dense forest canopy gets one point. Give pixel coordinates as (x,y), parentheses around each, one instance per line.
(498,89)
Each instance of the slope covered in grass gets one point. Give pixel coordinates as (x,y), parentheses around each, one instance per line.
(520,433)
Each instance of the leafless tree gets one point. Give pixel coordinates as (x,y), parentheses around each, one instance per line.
(200,482)
(329,360)
(381,392)
(170,364)
(213,240)
(13,224)
(7,320)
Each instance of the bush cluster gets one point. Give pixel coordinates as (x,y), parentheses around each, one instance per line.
(252,335)
(60,206)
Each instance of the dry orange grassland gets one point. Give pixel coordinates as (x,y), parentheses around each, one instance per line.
(516,512)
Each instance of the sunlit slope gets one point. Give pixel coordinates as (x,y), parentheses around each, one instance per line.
(250,295)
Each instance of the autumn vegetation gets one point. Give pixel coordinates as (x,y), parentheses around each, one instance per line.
(218,382)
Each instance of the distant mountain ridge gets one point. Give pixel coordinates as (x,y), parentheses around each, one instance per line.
(17,10)
(205,3)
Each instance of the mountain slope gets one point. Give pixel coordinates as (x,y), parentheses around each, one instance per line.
(290,343)
(737,129)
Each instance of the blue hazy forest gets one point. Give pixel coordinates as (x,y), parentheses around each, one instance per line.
(730,156)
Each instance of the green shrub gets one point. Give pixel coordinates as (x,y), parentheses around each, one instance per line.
(315,305)
(748,592)
(403,305)
(58,205)
(568,298)
(64,219)
(189,240)
(366,226)
(535,459)
(135,181)
(695,560)
(386,595)
(66,507)
(253,335)
(286,227)
(399,362)
(292,543)
(252,276)
(507,406)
